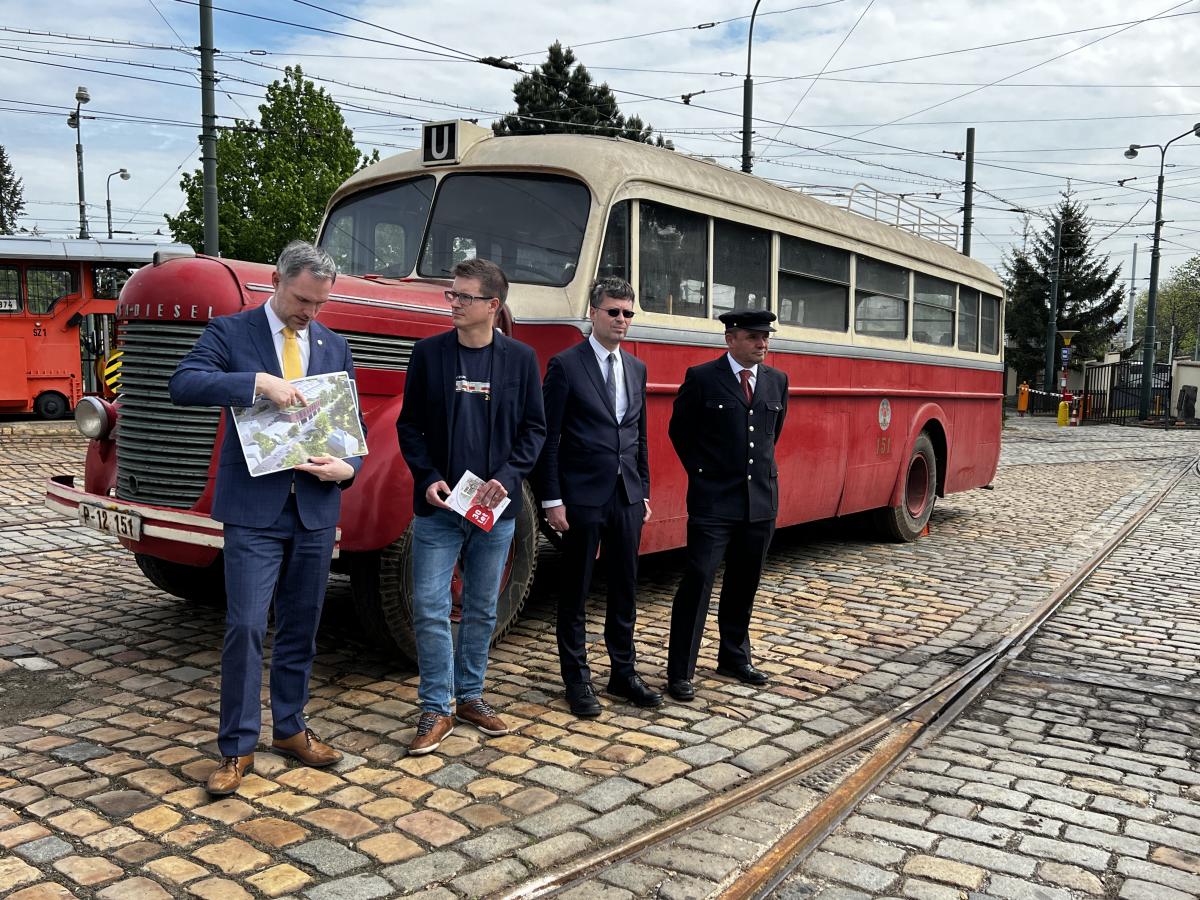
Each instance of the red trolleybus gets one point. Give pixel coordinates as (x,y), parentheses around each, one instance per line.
(57,299)
(891,343)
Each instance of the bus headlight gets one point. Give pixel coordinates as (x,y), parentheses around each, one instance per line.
(94,418)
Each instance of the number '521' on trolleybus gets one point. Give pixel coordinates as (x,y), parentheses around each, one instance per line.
(891,344)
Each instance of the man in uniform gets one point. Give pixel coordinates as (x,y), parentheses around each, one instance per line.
(724,426)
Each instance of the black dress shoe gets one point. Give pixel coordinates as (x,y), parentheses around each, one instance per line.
(583,700)
(635,691)
(681,690)
(745,673)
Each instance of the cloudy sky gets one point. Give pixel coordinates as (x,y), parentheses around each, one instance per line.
(847,91)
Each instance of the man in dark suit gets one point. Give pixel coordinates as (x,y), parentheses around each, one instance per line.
(472,402)
(279,528)
(595,484)
(724,426)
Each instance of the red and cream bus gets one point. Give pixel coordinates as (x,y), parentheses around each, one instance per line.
(891,343)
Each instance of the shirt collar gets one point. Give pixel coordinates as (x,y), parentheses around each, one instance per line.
(598,349)
(277,324)
(737,366)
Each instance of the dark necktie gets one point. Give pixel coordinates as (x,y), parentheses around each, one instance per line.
(610,386)
(746,389)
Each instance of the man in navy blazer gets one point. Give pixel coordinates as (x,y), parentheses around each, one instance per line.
(279,528)
(594,478)
(724,426)
(472,403)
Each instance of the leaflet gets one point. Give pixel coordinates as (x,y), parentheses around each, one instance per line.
(462,497)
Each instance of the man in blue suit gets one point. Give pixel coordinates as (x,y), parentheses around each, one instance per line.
(472,402)
(279,528)
(595,488)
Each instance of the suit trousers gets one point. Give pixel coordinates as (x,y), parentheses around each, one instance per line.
(617,526)
(287,565)
(743,546)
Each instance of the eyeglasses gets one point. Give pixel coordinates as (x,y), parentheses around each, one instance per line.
(459,296)
(613,312)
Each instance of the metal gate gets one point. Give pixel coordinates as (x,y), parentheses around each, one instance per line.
(1112,393)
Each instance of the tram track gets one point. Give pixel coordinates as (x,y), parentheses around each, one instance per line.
(872,750)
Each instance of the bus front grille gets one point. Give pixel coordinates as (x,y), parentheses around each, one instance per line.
(163,450)
(379,351)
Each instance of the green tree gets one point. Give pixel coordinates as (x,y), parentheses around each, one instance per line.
(557,99)
(1090,300)
(273,178)
(12,195)
(1177,308)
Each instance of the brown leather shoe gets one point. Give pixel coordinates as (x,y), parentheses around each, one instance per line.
(305,747)
(478,712)
(432,729)
(227,777)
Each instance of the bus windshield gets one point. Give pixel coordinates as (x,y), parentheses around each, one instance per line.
(532,226)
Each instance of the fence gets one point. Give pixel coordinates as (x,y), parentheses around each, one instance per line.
(1112,393)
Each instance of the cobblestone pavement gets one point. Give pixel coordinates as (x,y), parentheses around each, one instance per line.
(108,713)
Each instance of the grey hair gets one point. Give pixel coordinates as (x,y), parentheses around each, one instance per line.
(301,256)
(610,286)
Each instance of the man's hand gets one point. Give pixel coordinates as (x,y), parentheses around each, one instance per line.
(490,493)
(434,493)
(646,517)
(281,393)
(327,468)
(557,517)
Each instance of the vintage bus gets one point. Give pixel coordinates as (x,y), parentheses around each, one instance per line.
(57,305)
(891,344)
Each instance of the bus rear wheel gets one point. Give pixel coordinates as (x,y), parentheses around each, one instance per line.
(199,584)
(51,405)
(384,599)
(905,521)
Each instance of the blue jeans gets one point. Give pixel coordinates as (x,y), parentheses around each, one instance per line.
(450,671)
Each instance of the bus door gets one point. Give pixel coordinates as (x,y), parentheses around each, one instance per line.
(13,368)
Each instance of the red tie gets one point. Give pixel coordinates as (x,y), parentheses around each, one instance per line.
(746,389)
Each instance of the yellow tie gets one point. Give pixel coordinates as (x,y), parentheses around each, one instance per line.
(291,355)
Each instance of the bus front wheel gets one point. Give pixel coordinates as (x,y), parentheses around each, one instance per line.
(384,597)
(906,520)
(199,584)
(51,405)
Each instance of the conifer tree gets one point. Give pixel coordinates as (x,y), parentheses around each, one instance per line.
(12,195)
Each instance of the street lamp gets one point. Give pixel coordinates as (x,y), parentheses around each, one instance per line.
(124,173)
(1152,300)
(75,120)
(748,94)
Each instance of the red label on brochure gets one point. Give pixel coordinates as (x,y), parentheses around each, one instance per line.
(481,516)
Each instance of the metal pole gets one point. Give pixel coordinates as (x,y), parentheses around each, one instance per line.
(969,193)
(1148,355)
(1052,323)
(748,94)
(208,138)
(1132,300)
(83,226)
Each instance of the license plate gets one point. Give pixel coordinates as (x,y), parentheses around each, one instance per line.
(122,524)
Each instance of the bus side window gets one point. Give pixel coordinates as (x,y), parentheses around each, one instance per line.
(933,311)
(10,289)
(989,321)
(814,285)
(881,299)
(45,287)
(109,280)
(614,255)
(968,319)
(741,267)
(673,260)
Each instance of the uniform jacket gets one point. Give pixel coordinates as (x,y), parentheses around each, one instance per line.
(587,450)
(518,422)
(727,447)
(219,371)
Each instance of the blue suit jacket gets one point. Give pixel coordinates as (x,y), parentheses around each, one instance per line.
(518,424)
(587,450)
(219,371)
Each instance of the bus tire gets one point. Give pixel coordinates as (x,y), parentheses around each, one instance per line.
(905,521)
(197,584)
(51,405)
(395,583)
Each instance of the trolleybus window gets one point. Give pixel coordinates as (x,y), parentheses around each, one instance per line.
(10,289)
(379,231)
(989,317)
(933,311)
(741,267)
(45,287)
(968,319)
(530,225)
(673,260)
(614,256)
(881,299)
(814,285)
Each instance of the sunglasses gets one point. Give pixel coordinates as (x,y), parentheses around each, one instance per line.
(613,312)
(452,296)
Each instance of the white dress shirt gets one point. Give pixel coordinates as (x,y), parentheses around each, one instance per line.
(277,325)
(737,370)
(618,371)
